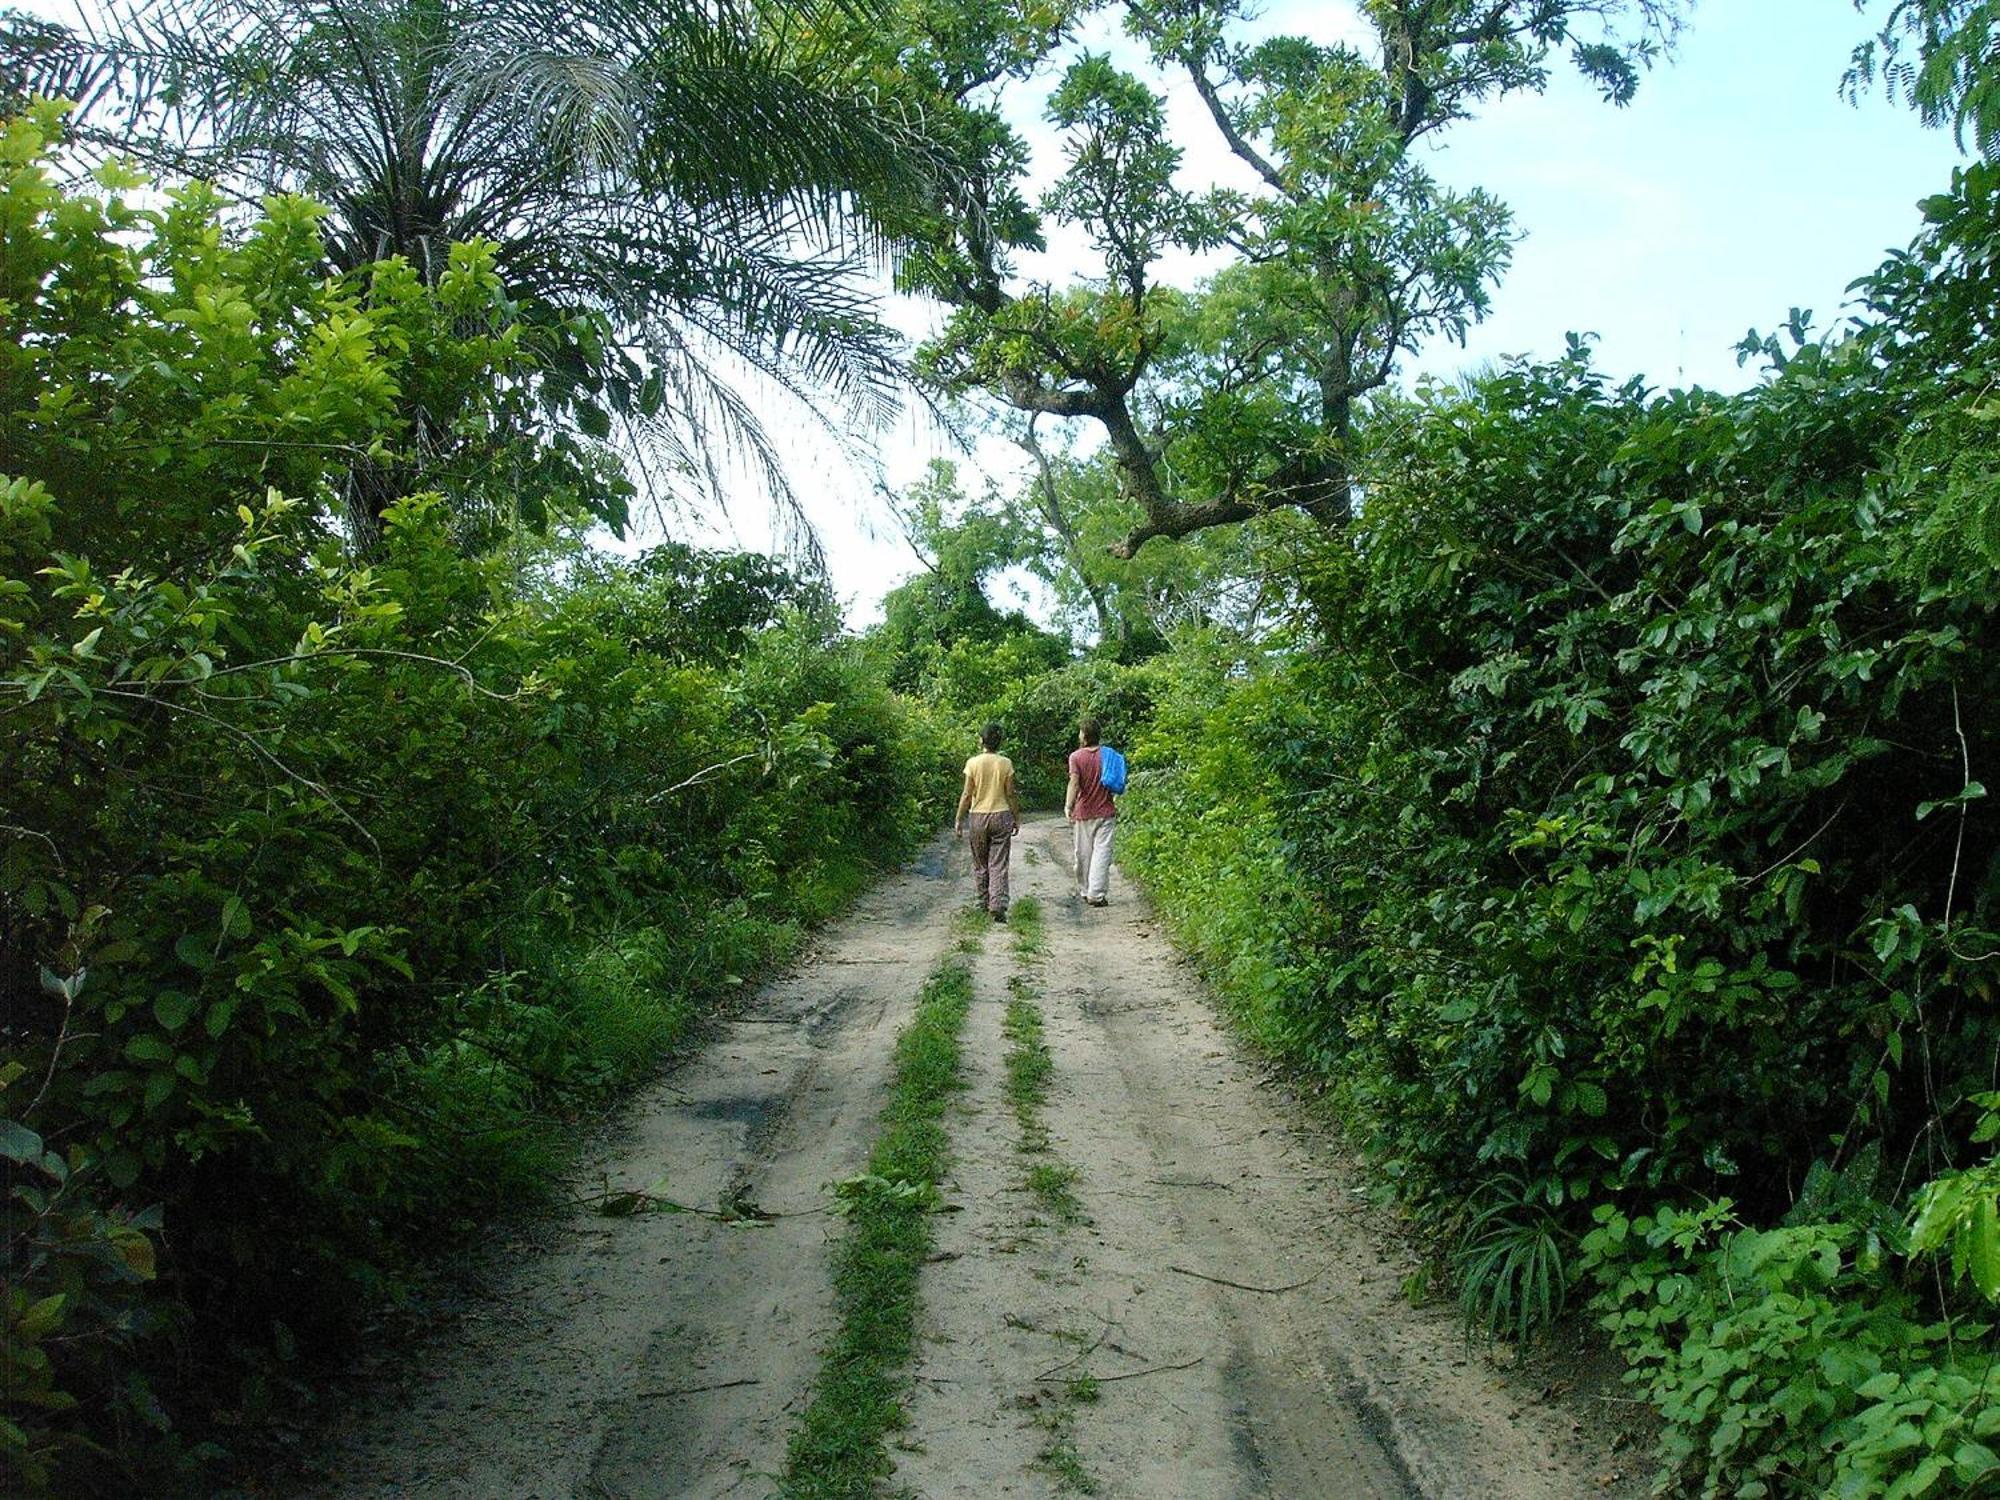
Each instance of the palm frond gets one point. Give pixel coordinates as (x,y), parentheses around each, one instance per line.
(675,165)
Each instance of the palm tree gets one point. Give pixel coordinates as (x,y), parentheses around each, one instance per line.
(682,192)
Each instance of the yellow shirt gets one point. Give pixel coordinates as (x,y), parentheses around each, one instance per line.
(988,777)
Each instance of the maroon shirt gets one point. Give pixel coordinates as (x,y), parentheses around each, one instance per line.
(1092,801)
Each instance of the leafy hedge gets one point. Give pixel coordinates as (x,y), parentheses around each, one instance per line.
(1040,714)
(334,883)
(1617,849)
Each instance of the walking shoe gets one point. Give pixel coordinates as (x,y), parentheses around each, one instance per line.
(1097,900)
(1000,916)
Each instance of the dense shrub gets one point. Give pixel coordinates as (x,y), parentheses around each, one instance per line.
(1041,713)
(333,886)
(1617,849)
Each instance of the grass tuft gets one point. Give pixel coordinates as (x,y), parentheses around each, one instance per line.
(1030,938)
(1051,1182)
(839,1449)
(1059,1457)
(1511,1266)
(1029,1065)
(970,924)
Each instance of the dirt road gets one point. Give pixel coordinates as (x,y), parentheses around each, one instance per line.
(1219,1317)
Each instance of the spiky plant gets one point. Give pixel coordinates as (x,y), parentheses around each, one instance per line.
(1510,1264)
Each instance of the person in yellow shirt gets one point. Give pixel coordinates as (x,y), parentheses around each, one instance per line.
(995,810)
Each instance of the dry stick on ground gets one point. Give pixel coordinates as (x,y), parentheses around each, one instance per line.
(630,1203)
(1244,1286)
(1186,1364)
(1076,1359)
(694,1390)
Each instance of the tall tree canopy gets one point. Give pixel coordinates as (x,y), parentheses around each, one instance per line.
(1343,251)
(676,191)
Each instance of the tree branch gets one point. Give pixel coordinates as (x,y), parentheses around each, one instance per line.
(1032,396)
(1219,112)
(1058,519)
(1175,519)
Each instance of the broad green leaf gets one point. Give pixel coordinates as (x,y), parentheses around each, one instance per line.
(146,1048)
(1879,1387)
(43,1317)
(18,1143)
(1982,1247)
(136,1249)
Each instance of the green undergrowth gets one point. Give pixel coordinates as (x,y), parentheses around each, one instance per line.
(838,1448)
(569,1033)
(1030,934)
(360,845)
(1613,846)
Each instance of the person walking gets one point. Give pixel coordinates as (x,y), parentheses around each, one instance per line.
(1093,813)
(995,810)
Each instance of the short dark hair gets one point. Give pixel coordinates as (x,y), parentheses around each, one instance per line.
(1091,730)
(990,735)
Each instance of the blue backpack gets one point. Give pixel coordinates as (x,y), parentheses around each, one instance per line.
(1111,770)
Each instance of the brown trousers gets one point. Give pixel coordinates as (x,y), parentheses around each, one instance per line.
(992,837)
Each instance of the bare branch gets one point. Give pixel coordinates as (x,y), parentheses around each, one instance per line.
(1219,112)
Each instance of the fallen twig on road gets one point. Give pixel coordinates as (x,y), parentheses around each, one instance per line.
(1186,1364)
(1243,1286)
(692,1390)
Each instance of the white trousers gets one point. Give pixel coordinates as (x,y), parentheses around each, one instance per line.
(1093,856)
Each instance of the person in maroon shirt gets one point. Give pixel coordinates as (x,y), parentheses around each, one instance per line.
(1092,813)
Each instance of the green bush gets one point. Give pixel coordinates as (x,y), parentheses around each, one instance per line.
(1616,841)
(1794,1360)
(1041,712)
(337,878)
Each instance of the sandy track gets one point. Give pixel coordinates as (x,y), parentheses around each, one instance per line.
(1335,1388)
(668,1355)
(665,1355)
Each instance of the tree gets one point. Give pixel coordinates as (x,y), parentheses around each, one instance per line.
(1951,79)
(654,241)
(1344,252)
(1231,577)
(940,627)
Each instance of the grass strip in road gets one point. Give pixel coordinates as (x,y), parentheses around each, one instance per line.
(838,1450)
(1029,936)
(1029,1064)
(1056,1416)
(1051,1182)
(1030,1067)
(970,924)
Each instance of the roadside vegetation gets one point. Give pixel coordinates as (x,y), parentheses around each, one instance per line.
(1585,786)
(1612,842)
(339,883)
(1599,817)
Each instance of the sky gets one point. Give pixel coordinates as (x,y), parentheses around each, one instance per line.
(1737,185)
